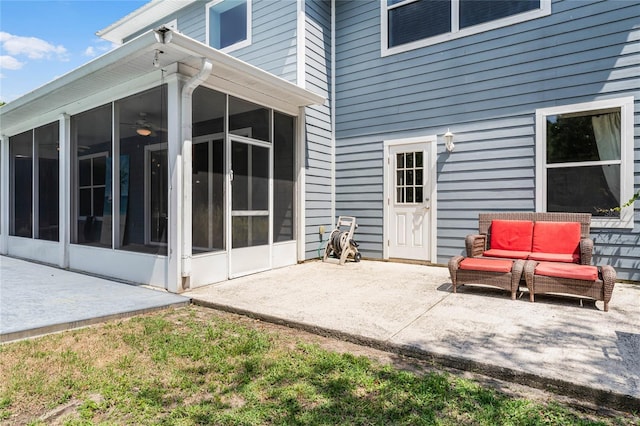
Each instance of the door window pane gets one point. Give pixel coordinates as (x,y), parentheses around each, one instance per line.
(250,186)
(409,177)
(249,231)
(250,195)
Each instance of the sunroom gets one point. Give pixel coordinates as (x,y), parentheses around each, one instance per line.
(164,162)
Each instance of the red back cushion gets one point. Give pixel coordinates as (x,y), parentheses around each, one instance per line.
(511,235)
(556,237)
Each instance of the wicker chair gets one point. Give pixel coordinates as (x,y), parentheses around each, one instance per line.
(478,243)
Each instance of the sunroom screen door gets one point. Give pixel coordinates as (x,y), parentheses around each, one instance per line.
(250,229)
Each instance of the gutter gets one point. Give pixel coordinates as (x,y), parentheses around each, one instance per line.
(187,165)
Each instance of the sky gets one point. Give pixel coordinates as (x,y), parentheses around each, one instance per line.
(45,39)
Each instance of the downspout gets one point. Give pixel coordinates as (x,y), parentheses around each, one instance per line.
(187,166)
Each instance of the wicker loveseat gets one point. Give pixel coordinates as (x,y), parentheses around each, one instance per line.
(552,252)
(481,244)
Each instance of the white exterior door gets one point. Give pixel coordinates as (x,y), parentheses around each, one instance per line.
(409,193)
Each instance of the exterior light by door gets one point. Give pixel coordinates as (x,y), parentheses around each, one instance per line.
(448,141)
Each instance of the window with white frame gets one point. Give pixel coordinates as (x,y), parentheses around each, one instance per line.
(410,24)
(584,160)
(228,24)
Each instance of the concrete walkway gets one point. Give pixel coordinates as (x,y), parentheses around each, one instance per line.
(567,345)
(37,299)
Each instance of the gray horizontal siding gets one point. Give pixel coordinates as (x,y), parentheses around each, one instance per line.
(273,42)
(486,89)
(318,188)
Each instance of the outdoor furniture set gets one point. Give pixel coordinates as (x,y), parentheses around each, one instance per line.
(551,252)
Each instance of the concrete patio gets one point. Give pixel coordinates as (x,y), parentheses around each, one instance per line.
(37,299)
(563,344)
(557,343)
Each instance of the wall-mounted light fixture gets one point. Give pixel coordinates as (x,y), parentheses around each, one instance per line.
(448,141)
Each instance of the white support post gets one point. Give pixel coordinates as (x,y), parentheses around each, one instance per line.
(174,152)
(186,109)
(4,194)
(301,183)
(64,189)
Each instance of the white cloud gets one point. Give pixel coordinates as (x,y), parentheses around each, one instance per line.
(10,63)
(32,47)
(99,47)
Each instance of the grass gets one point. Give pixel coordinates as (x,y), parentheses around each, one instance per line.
(195,366)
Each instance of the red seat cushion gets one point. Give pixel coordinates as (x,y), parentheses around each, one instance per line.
(511,235)
(555,257)
(566,270)
(556,237)
(509,254)
(487,265)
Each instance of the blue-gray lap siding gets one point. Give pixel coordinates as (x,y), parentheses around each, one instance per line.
(318,131)
(274,48)
(485,88)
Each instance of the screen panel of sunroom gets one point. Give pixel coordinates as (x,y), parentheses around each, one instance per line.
(137,156)
(34,183)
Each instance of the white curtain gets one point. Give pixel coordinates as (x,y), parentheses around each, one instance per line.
(606,128)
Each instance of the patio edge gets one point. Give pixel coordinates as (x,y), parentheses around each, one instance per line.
(599,397)
(73,325)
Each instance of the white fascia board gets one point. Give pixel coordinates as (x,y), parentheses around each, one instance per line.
(140,18)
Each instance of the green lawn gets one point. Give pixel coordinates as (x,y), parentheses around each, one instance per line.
(196,366)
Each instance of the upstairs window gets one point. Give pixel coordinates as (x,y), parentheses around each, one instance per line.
(229,24)
(585,160)
(410,24)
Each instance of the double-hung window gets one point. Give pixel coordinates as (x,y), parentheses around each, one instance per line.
(228,24)
(584,160)
(410,24)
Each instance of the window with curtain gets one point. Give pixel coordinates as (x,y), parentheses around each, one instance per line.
(585,166)
(409,24)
